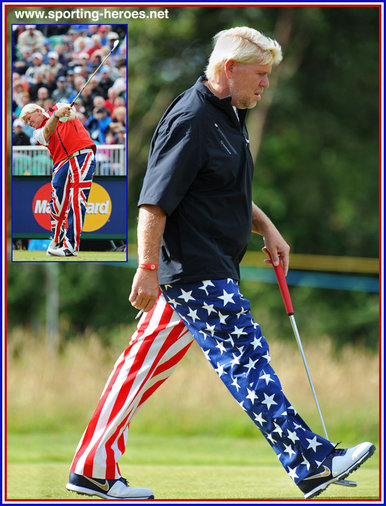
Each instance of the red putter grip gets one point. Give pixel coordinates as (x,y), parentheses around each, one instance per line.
(283,286)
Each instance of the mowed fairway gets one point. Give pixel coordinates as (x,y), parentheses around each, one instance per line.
(191,441)
(174,467)
(83,256)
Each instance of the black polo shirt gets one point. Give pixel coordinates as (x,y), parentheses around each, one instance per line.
(200,172)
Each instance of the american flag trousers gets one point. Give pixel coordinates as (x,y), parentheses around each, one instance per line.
(70,189)
(218,317)
(158,344)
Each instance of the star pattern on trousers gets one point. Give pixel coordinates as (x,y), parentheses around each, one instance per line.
(268,400)
(234,345)
(313,444)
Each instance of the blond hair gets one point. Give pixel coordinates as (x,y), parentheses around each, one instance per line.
(244,45)
(28,109)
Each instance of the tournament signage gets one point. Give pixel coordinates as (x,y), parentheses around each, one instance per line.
(105,214)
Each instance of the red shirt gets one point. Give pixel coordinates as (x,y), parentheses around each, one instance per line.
(67,138)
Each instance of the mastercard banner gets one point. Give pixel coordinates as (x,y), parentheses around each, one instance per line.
(105,216)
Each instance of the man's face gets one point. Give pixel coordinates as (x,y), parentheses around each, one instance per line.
(34,119)
(247,82)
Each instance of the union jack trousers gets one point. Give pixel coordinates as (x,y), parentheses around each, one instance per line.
(70,189)
(218,317)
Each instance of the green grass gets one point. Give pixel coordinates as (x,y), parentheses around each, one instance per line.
(174,467)
(61,393)
(191,440)
(83,256)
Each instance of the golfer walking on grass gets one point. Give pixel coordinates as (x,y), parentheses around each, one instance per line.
(195,219)
(72,151)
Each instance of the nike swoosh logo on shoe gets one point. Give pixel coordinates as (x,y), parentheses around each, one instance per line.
(103,486)
(324,474)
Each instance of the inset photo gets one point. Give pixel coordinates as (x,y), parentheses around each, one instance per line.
(69,163)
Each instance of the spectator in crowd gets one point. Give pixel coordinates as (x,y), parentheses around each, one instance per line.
(98,102)
(68,45)
(96,45)
(103,33)
(19,138)
(32,38)
(78,83)
(53,64)
(62,58)
(81,45)
(37,66)
(109,103)
(112,37)
(120,84)
(87,99)
(70,78)
(105,82)
(24,99)
(47,49)
(84,62)
(119,102)
(95,89)
(42,95)
(62,92)
(22,65)
(111,138)
(80,71)
(121,136)
(98,124)
(92,30)
(118,119)
(19,88)
(50,81)
(36,85)
(73,36)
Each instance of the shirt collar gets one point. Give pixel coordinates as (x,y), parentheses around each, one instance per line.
(222,103)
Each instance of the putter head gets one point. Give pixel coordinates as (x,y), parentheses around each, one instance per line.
(116,44)
(346,483)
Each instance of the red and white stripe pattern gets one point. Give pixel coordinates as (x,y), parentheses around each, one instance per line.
(60,194)
(158,344)
(71,184)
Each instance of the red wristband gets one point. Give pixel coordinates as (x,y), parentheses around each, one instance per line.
(151,267)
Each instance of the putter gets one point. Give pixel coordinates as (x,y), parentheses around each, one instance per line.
(280,277)
(116,43)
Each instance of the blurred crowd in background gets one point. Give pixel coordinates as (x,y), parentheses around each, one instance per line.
(51,63)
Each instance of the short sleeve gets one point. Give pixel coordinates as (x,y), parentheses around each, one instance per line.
(176,155)
(39,136)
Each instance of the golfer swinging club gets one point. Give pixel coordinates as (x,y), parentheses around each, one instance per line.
(72,151)
(195,219)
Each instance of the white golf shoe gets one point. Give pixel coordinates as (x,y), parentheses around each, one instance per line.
(61,250)
(53,248)
(339,464)
(107,489)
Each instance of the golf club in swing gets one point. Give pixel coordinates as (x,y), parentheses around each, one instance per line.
(281,280)
(115,45)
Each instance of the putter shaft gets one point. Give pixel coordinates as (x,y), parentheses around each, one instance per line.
(297,336)
(283,286)
(345,483)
